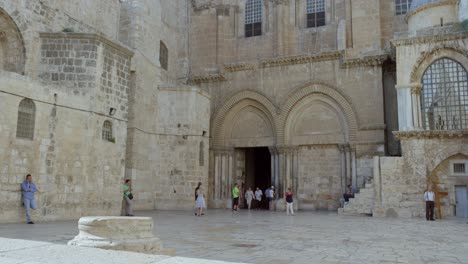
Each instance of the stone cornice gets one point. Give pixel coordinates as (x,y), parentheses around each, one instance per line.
(430,39)
(89,36)
(365,61)
(426,134)
(184,88)
(300,59)
(372,127)
(428,6)
(207,79)
(234,67)
(411,86)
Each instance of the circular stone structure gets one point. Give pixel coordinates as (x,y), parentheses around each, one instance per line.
(119,233)
(431,13)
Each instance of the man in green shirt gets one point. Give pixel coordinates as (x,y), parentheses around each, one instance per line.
(235,198)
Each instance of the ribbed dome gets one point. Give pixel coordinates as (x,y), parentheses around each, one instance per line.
(418,3)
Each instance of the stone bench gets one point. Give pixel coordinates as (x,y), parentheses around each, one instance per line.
(119,233)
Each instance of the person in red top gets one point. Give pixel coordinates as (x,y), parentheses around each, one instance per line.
(289,202)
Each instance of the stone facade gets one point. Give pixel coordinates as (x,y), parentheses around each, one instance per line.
(320,101)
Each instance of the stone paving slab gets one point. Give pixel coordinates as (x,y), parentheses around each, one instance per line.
(273,237)
(15,251)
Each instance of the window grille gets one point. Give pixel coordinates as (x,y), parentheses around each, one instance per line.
(163,55)
(253,18)
(26,119)
(459,168)
(444,96)
(402,6)
(315,13)
(107,131)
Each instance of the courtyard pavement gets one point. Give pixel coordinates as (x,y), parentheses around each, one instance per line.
(273,237)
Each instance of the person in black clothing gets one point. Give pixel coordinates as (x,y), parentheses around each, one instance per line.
(196,196)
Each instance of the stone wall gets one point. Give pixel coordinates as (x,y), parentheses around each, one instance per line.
(77,173)
(426,159)
(165,167)
(319,180)
(33,17)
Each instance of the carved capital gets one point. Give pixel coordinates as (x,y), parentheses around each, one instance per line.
(416,88)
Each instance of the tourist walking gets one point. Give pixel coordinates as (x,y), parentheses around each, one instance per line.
(200,202)
(196,196)
(249,195)
(258,198)
(29,188)
(270,194)
(235,197)
(429,197)
(289,202)
(128,197)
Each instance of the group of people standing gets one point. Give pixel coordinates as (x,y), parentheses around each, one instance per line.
(253,199)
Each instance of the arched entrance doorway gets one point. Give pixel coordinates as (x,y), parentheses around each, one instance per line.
(244,132)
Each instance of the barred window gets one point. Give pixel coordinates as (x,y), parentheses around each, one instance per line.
(163,55)
(402,6)
(444,96)
(253,18)
(315,13)
(26,119)
(107,131)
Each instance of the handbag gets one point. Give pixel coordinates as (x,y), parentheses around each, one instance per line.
(130,196)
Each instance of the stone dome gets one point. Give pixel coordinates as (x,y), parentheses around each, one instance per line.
(418,3)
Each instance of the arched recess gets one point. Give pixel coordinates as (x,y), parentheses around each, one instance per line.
(316,119)
(427,58)
(12,49)
(330,100)
(443,176)
(245,120)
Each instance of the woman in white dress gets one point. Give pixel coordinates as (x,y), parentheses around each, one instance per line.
(200,202)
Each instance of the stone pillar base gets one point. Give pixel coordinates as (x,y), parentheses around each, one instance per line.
(119,233)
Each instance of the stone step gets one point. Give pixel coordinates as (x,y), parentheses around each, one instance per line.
(362,203)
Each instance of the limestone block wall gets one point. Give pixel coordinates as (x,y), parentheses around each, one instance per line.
(425,159)
(33,17)
(145,24)
(217,33)
(319,180)
(88,65)
(167,164)
(76,172)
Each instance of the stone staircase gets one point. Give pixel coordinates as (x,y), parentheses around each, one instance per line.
(362,203)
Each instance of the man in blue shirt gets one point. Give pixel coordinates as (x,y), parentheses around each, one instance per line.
(29,202)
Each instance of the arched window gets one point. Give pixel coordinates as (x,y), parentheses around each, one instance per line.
(444,96)
(402,6)
(107,131)
(201,154)
(315,13)
(253,18)
(163,55)
(26,119)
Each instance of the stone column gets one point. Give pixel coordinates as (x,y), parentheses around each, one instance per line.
(223,174)
(274,164)
(342,149)
(416,103)
(348,165)
(295,177)
(409,107)
(353,166)
(405,108)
